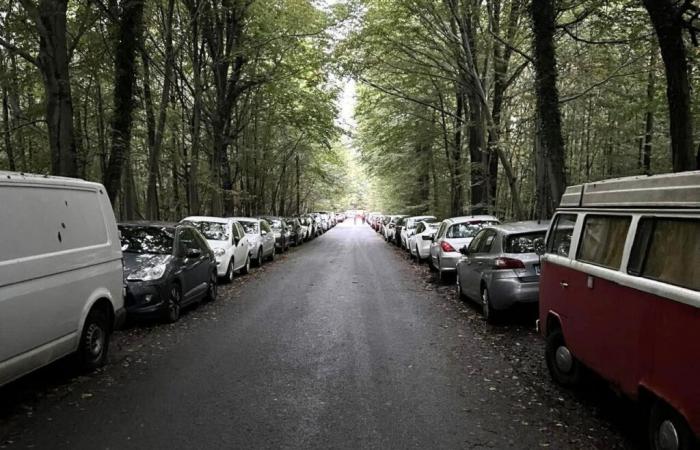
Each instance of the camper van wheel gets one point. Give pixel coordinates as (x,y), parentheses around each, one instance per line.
(563,366)
(94,340)
(668,430)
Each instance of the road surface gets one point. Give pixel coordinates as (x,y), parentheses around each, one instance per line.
(339,344)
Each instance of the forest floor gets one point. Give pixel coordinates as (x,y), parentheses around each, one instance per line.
(341,343)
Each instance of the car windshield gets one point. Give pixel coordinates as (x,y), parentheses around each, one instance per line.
(525,243)
(249,227)
(151,240)
(213,231)
(275,224)
(467,229)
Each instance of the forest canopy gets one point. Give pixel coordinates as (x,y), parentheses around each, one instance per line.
(232,106)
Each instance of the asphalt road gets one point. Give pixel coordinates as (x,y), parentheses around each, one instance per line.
(339,344)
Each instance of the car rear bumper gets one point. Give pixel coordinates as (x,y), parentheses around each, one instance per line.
(505,292)
(448,261)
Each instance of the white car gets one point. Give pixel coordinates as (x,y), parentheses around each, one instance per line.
(419,243)
(228,241)
(61,276)
(409,228)
(452,235)
(261,239)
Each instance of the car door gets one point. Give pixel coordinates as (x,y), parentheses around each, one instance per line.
(467,269)
(268,238)
(480,260)
(240,242)
(193,266)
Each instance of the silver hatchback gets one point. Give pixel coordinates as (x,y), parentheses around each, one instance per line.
(501,266)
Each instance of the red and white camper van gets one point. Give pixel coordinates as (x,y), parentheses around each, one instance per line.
(620,295)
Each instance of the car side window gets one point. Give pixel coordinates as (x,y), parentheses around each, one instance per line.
(420,228)
(264,226)
(559,239)
(440,231)
(667,249)
(186,241)
(476,242)
(489,236)
(603,240)
(235,231)
(200,242)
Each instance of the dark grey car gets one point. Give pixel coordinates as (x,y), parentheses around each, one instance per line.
(501,266)
(166,267)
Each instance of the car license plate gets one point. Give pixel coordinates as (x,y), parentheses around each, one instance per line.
(537,269)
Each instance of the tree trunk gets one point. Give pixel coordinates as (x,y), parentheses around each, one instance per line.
(667,19)
(649,115)
(129,35)
(7,132)
(53,62)
(298,184)
(549,130)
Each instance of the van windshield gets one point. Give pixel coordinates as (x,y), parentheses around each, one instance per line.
(151,240)
(213,231)
(525,243)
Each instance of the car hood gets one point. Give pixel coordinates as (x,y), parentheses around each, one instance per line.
(137,261)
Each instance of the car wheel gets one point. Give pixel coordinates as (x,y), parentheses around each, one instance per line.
(246,268)
(230,272)
(563,366)
(273,254)
(417,255)
(460,294)
(668,430)
(259,261)
(212,288)
(487,310)
(94,341)
(173,304)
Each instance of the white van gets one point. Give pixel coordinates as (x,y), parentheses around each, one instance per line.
(61,278)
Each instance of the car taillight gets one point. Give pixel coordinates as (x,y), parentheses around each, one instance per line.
(446,247)
(508,263)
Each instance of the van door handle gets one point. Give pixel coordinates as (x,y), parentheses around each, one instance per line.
(564,284)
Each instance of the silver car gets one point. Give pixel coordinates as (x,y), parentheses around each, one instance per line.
(452,235)
(409,228)
(501,266)
(261,240)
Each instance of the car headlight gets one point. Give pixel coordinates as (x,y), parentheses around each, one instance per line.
(148,273)
(219,252)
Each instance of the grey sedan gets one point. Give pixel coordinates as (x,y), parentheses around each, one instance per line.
(501,266)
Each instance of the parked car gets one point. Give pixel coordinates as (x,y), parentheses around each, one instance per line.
(60,273)
(419,242)
(452,235)
(620,294)
(501,266)
(167,266)
(409,228)
(280,231)
(398,228)
(390,227)
(296,231)
(228,241)
(261,240)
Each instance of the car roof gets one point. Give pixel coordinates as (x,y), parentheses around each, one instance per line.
(151,224)
(246,219)
(526,226)
(208,219)
(462,219)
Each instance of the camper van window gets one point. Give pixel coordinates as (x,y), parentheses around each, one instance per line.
(668,250)
(603,240)
(559,241)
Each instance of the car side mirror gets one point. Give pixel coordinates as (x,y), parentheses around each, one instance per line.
(194,253)
(464,250)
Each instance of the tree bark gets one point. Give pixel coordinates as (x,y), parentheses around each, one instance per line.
(649,115)
(129,34)
(543,14)
(666,17)
(7,132)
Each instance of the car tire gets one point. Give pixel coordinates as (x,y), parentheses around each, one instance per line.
(563,366)
(668,429)
(418,260)
(212,288)
(245,270)
(259,260)
(94,341)
(230,273)
(490,314)
(273,254)
(173,304)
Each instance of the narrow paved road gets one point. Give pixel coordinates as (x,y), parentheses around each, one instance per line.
(337,345)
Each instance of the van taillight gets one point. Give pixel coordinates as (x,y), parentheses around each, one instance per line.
(446,247)
(509,263)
